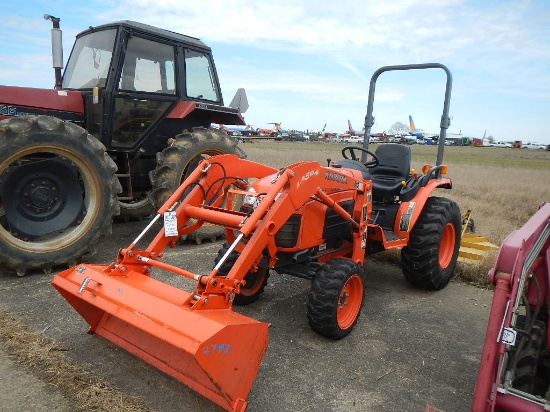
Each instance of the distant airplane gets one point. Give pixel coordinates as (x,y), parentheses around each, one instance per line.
(247,133)
(249,130)
(266,132)
(271,132)
(419,133)
(353,132)
(414,131)
(277,127)
(237,130)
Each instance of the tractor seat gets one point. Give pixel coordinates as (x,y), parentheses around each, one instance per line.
(394,168)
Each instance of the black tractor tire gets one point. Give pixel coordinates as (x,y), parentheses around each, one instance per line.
(528,376)
(255,281)
(336,298)
(180,158)
(58,193)
(429,259)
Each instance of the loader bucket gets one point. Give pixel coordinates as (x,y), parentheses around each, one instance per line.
(215,352)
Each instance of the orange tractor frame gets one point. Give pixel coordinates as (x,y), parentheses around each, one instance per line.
(306,220)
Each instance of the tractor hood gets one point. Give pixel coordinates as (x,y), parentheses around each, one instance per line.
(22,101)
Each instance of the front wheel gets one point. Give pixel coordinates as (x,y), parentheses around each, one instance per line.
(255,282)
(336,298)
(429,259)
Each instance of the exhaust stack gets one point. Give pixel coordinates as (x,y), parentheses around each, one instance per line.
(57,49)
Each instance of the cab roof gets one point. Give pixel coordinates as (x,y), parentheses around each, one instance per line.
(155,31)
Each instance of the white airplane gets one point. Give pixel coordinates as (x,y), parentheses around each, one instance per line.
(419,133)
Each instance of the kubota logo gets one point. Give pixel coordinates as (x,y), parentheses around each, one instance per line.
(335,177)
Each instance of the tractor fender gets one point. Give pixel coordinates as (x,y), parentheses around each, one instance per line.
(217,114)
(409,211)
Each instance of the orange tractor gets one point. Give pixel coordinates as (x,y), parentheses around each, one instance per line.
(311,221)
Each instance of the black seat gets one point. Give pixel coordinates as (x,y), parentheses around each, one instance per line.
(393,169)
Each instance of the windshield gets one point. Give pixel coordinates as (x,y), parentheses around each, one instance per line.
(90,60)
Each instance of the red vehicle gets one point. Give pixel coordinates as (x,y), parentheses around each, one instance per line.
(514,373)
(129,118)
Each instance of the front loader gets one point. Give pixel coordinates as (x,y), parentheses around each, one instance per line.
(306,220)
(195,336)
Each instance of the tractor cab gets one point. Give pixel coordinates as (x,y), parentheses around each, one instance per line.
(132,74)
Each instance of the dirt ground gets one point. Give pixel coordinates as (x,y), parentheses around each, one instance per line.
(23,391)
(410,347)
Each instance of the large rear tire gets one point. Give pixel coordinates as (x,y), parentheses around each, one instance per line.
(255,281)
(180,158)
(58,193)
(429,259)
(336,298)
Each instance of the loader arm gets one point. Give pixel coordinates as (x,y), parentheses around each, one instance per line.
(289,190)
(197,201)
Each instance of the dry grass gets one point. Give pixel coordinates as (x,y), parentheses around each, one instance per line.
(43,356)
(502,187)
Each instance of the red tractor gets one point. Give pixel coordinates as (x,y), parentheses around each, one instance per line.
(514,372)
(306,220)
(129,118)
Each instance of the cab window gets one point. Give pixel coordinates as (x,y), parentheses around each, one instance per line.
(148,67)
(199,76)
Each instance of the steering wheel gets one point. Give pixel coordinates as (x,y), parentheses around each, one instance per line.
(351,149)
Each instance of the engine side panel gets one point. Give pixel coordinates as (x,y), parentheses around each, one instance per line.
(23,101)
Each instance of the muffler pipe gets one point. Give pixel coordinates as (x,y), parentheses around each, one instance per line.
(57,49)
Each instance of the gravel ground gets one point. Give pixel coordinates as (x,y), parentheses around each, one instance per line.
(410,348)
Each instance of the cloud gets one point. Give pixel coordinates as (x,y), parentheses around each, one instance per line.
(323,53)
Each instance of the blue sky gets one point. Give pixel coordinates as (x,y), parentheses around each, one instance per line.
(307,63)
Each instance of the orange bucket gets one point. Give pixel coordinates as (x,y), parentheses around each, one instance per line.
(215,352)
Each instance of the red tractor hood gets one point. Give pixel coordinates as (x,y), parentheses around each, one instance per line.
(21,101)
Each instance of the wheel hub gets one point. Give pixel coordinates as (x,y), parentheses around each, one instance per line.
(38,198)
(41,197)
(349,302)
(342,300)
